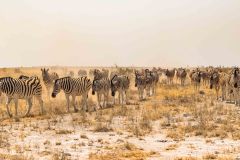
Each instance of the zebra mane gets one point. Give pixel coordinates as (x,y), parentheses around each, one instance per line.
(23,76)
(5,78)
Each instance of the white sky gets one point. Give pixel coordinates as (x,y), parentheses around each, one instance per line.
(123,32)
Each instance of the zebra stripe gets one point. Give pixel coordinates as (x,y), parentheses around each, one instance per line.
(73,87)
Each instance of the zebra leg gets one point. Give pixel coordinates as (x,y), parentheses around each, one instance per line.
(74,104)
(85,102)
(41,104)
(107,96)
(126,94)
(16,106)
(29,101)
(99,100)
(8,110)
(119,97)
(68,101)
(139,93)
(104,100)
(122,98)
(48,93)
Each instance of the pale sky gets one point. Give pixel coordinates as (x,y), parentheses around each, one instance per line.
(123,32)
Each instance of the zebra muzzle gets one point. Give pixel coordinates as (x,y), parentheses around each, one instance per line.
(53,95)
(93,92)
(113,94)
(235,85)
(211,86)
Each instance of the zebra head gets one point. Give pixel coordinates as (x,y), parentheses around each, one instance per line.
(45,73)
(234,77)
(56,88)
(95,86)
(114,85)
(137,75)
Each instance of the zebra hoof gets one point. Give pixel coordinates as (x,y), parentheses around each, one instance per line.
(75,110)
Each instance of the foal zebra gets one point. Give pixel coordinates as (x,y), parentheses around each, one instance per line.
(22,88)
(102,87)
(73,87)
(121,85)
(48,79)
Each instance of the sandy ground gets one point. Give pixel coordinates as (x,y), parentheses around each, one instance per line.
(41,138)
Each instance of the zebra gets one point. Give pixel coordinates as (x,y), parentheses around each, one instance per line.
(234,82)
(149,82)
(102,87)
(22,88)
(214,82)
(140,83)
(82,73)
(121,85)
(205,77)
(170,75)
(73,87)
(48,79)
(181,74)
(196,79)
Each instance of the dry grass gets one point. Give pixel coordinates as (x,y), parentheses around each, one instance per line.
(126,151)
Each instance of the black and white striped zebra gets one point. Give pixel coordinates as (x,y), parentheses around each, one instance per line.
(73,87)
(48,79)
(140,83)
(22,88)
(149,82)
(121,85)
(102,88)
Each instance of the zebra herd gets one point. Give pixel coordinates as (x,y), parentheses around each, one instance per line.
(103,82)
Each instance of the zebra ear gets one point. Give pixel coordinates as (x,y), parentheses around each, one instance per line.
(47,69)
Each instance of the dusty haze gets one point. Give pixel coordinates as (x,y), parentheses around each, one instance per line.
(123,32)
